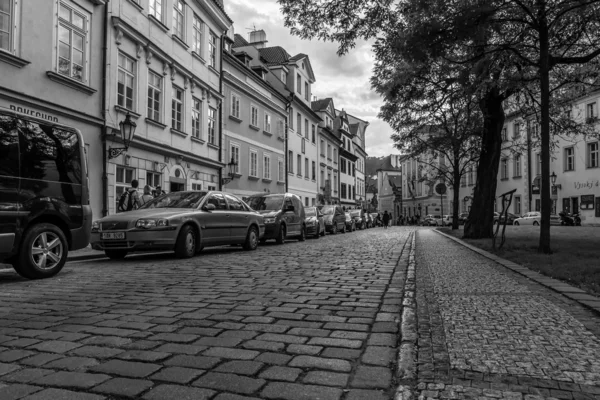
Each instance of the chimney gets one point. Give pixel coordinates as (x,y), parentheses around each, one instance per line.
(258,38)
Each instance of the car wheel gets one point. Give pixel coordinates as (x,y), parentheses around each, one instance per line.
(517,223)
(334,229)
(535,223)
(116,254)
(281,237)
(344,228)
(251,242)
(43,252)
(302,236)
(318,234)
(185,247)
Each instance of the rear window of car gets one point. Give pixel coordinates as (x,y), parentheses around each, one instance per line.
(262,203)
(328,210)
(355,213)
(310,212)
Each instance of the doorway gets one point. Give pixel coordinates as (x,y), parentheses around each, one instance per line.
(176,187)
(575,208)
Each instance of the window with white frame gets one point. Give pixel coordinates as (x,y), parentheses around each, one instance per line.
(266,166)
(290,119)
(196,186)
(306,131)
(314,134)
(212,120)
(125,81)
(7,31)
(212,50)
(156,9)
(322,147)
(253,115)
(298,124)
(72,42)
(516,130)
(154,95)
(518,205)
(267,127)
(504,135)
(335,156)
(538,162)
(306,171)
(234,154)
(179,18)
(153,179)
(569,159)
(328,151)
(306,90)
(253,166)
(590,110)
(504,168)
(123,178)
(290,162)
(314,171)
(592,155)
(177,108)
(280,128)
(235,105)
(322,176)
(299,165)
(196,118)
(210,187)
(299,83)
(198,26)
(303,146)
(280,170)
(517,166)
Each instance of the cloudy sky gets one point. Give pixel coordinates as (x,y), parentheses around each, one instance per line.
(344,79)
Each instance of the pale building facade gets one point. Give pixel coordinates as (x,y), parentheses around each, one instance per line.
(347,161)
(358,128)
(329,146)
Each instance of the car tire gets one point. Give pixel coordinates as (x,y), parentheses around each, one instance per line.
(302,236)
(516,223)
(116,254)
(318,234)
(344,228)
(281,236)
(251,242)
(36,238)
(185,247)
(535,223)
(334,229)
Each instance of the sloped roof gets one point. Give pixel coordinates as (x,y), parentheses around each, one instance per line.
(239,41)
(219,4)
(386,164)
(298,57)
(274,55)
(321,104)
(395,181)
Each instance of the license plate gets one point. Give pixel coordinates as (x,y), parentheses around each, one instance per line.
(112,236)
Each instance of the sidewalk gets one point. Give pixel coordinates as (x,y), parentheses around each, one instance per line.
(487,332)
(85,254)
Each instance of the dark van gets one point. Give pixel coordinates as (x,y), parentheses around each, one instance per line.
(44,199)
(283,215)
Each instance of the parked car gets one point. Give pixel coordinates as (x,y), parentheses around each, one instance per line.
(462,218)
(510,218)
(447,220)
(335,220)
(530,218)
(315,223)
(284,216)
(350,224)
(362,220)
(432,220)
(44,197)
(184,222)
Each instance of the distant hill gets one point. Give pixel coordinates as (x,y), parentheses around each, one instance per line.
(371,165)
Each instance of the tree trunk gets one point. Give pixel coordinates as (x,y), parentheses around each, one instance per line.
(544,245)
(456,189)
(480,223)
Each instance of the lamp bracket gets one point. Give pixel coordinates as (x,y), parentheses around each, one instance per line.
(113,153)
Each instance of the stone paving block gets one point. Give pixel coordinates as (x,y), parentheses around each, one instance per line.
(230,396)
(331,342)
(62,394)
(40,359)
(163,392)
(340,352)
(96,351)
(140,345)
(263,345)
(268,328)
(382,339)
(180,348)
(26,375)
(245,335)
(321,363)
(310,332)
(240,367)
(346,326)
(174,337)
(17,391)
(274,358)
(282,338)
(201,331)
(71,379)
(294,391)
(6,368)
(127,368)
(326,378)
(304,349)
(352,335)
(199,362)
(72,363)
(143,355)
(177,374)
(14,355)
(230,382)
(378,355)
(362,394)
(218,341)
(225,352)
(114,341)
(372,377)
(124,387)
(23,342)
(281,374)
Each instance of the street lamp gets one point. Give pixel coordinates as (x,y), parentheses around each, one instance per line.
(231,166)
(127,129)
(553,180)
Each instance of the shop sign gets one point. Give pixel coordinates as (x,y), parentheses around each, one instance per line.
(587,202)
(33,113)
(590,184)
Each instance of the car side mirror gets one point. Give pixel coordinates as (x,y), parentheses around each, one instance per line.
(209,207)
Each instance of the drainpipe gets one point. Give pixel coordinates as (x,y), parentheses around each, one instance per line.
(221,114)
(103,113)
(529,190)
(287,110)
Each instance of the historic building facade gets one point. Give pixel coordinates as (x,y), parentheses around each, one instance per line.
(329,146)
(347,161)
(358,129)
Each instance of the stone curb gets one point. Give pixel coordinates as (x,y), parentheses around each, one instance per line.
(406,373)
(573,293)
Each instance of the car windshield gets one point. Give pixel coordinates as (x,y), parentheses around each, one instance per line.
(327,210)
(176,200)
(310,212)
(355,213)
(261,203)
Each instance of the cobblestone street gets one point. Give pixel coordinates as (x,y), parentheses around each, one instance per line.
(324,319)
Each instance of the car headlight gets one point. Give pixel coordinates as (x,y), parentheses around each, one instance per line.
(269,220)
(151,223)
(95,226)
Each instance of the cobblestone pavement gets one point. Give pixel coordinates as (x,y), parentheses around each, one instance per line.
(302,321)
(485,332)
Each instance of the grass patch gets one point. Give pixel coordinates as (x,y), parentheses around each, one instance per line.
(575,258)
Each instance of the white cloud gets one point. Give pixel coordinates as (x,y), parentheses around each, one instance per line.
(345,79)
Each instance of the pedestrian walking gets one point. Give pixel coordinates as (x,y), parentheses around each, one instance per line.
(386,219)
(158,192)
(130,199)
(147,196)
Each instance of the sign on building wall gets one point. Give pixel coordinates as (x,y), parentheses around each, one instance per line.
(587,201)
(598,207)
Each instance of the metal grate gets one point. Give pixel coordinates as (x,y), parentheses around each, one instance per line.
(114,226)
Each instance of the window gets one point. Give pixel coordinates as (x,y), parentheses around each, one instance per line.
(314,134)
(299,83)
(322,176)
(306,90)
(212,118)
(123,178)
(176,108)
(470,176)
(234,203)
(291,162)
(306,131)
(125,81)
(153,179)
(235,105)
(299,165)
(299,124)
(72,42)
(538,161)
(156,9)
(196,118)
(517,166)
(197,42)
(343,165)
(343,191)
(196,186)
(280,170)
(212,50)
(7,16)
(335,156)
(335,184)
(592,155)
(290,119)
(463,180)
(518,205)
(569,159)
(266,166)
(306,172)
(253,163)
(322,147)
(504,168)
(504,136)
(154,95)
(179,19)
(234,153)
(267,127)
(9,150)
(306,201)
(283,76)
(590,110)
(280,128)
(253,115)
(516,130)
(303,144)
(328,151)
(314,171)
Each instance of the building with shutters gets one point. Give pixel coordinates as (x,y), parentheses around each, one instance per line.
(329,143)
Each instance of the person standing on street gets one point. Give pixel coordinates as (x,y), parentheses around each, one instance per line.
(147,196)
(130,199)
(386,219)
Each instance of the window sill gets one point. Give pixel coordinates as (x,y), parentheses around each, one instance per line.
(214,146)
(199,57)
(281,138)
(195,139)
(178,132)
(234,118)
(13,60)
(237,174)
(517,177)
(267,180)
(281,182)
(253,178)
(329,159)
(299,134)
(213,69)
(256,128)
(291,173)
(267,133)
(306,178)
(180,41)
(126,111)
(155,123)
(323,155)
(70,82)
(299,176)
(569,170)
(314,144)
(503,179)
(136,5)
(158,23)
(591,167)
